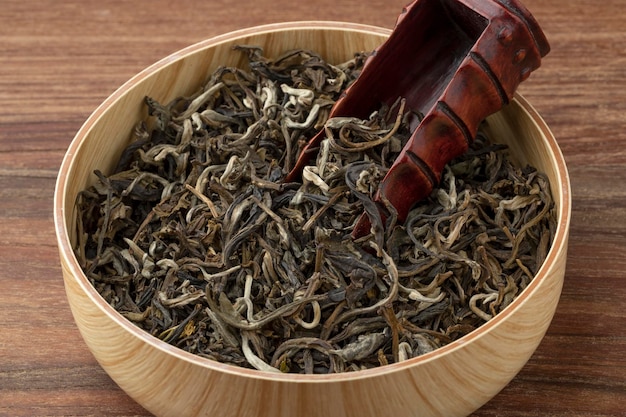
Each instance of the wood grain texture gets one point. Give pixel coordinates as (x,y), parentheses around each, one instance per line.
(60,59)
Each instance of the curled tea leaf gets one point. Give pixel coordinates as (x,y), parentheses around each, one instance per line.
(196,239)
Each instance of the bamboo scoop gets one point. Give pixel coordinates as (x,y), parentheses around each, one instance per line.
(455,62)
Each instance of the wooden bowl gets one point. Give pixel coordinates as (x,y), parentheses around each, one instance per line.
(451,381)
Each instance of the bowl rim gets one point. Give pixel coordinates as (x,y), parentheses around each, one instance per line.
(69,259)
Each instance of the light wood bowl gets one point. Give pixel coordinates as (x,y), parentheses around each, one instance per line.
(451,381)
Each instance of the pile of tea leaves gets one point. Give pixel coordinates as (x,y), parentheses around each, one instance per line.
(195,238)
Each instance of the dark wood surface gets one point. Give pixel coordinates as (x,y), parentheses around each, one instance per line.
(60,59)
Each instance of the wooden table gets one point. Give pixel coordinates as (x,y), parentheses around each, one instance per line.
(60,59)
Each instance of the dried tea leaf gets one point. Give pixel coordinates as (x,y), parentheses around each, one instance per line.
(196,240)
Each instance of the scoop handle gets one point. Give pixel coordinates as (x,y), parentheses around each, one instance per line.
(510,47)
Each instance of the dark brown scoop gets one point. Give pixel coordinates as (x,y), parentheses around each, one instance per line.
(454,61)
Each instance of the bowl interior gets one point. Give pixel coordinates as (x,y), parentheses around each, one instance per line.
(105,134)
